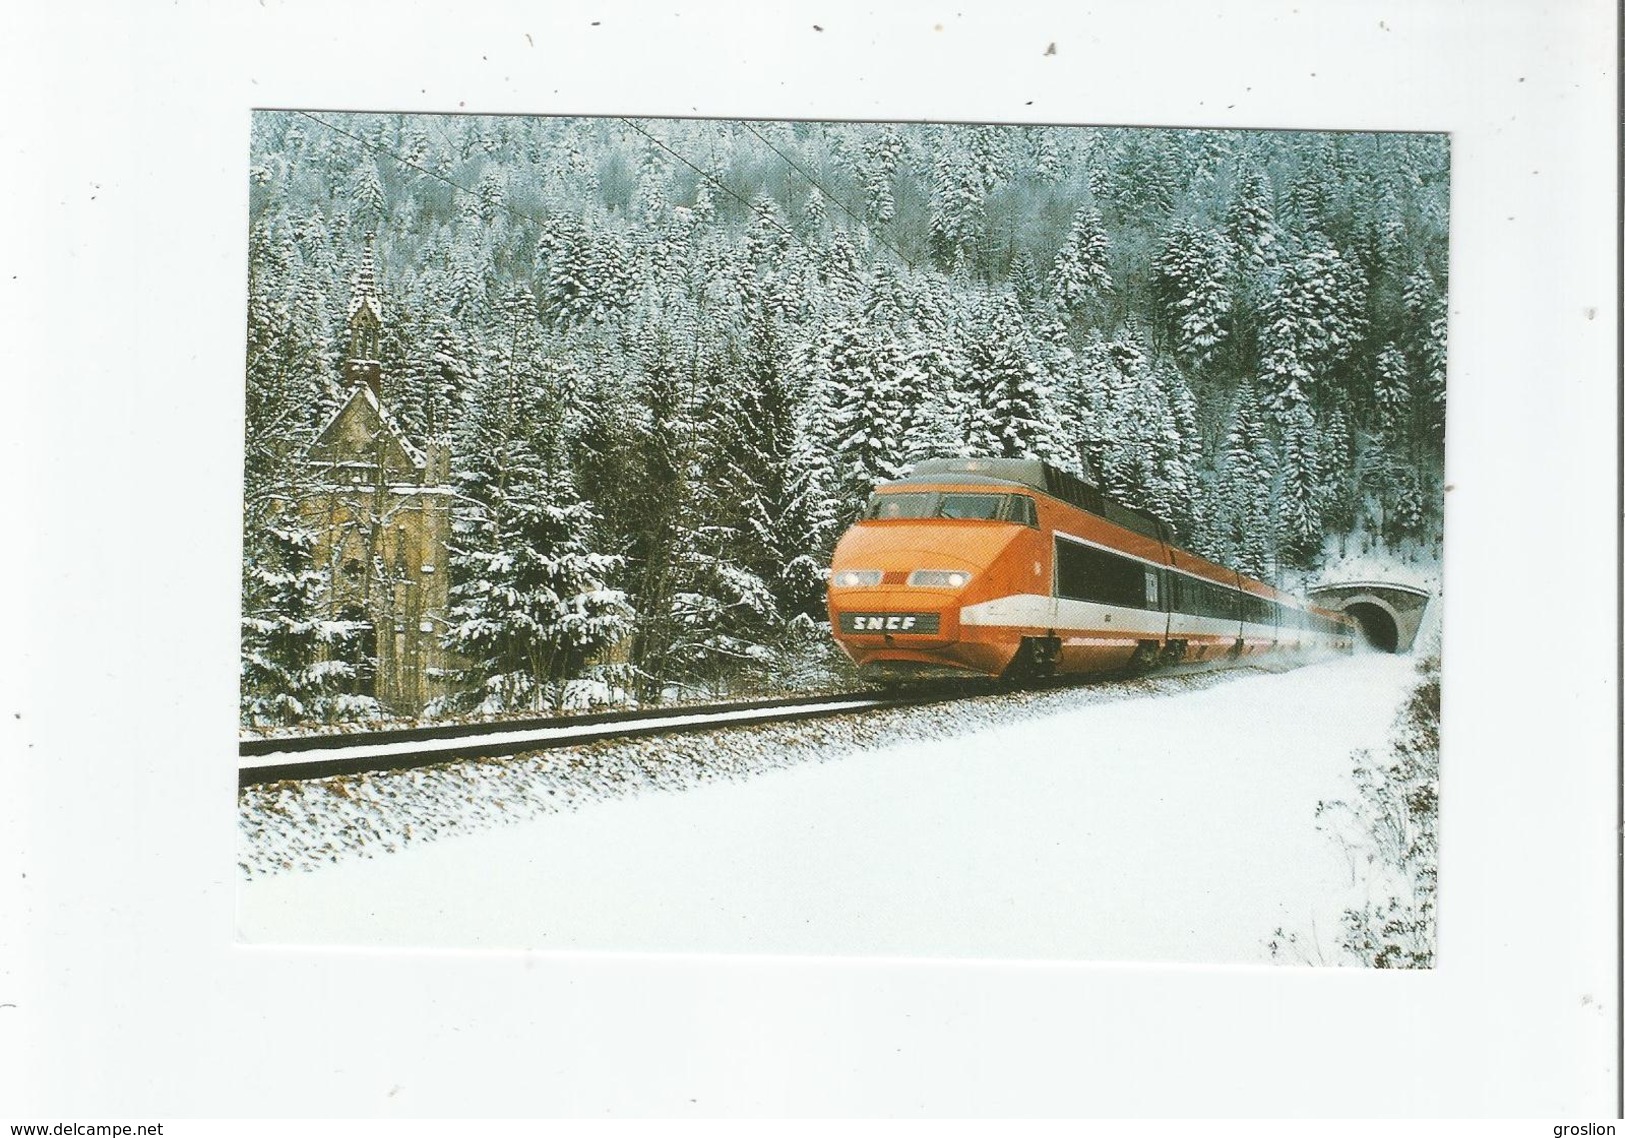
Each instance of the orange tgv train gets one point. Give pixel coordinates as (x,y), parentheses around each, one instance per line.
(1012,568)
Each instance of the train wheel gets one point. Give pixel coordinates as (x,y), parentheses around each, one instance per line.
(1145,657)
(1035,659)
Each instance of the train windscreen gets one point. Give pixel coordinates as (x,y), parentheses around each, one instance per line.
(972,507)
(901,506)
(962,507)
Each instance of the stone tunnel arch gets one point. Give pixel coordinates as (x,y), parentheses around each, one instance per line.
(1389,615)
(1377,621)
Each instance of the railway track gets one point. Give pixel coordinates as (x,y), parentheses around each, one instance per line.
(322,756)
(262,761)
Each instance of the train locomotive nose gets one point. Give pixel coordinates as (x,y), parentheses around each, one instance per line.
(893,614)
(896,595)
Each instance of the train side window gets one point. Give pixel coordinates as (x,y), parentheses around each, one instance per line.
(1196,597)
(1084,573)
(1153,595)
(1020,509)
(1189,593)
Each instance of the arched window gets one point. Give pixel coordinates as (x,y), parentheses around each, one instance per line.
(360,650)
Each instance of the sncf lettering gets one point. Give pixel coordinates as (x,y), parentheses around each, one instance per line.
(888,622)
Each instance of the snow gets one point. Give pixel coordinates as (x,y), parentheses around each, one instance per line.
(1382,567)
(1092,824)
(583,731)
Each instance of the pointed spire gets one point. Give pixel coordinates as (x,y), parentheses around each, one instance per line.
(364,288)
(365,320)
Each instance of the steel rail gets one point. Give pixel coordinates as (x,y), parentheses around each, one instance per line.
(409,748)
(397,749)
(338,740)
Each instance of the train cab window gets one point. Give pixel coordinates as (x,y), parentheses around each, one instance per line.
(1021,509)
(888,506)
(902,505)
(971,507)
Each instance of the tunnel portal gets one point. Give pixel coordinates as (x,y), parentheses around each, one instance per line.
(1379,628)
(1389,615)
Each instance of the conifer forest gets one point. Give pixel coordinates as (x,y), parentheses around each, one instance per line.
(671,358)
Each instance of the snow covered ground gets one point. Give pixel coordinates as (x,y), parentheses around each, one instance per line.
(1420,570)
(1093,824)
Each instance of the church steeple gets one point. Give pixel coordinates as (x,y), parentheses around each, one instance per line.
(365,322)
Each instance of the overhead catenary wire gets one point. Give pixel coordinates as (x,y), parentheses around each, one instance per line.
(387,153)
(460,188)
(710,178)
(788,161)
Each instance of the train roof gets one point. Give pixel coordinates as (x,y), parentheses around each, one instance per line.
(1043,477)
(1036,474)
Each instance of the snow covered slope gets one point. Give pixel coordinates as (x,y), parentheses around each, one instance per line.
(1179,828)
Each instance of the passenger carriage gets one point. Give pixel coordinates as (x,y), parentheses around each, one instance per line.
(1011,567)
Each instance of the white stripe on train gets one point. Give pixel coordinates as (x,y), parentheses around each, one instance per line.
(1034,610)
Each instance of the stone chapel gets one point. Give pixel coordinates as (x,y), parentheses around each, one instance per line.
(381,508)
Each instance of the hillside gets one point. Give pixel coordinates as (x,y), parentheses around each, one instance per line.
(673,357)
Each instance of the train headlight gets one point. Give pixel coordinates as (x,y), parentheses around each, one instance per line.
(939,578)
(858,578)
